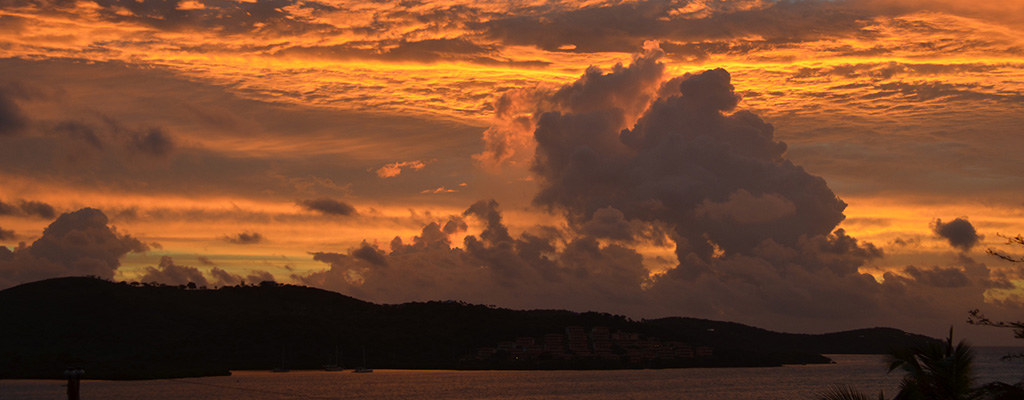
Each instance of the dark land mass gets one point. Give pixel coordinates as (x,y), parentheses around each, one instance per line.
(130,331)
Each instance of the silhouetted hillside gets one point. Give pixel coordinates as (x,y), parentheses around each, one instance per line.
(122,331)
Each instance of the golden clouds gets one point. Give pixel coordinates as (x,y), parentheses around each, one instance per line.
(449,59)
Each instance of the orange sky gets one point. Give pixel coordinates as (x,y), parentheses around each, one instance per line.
(288,139)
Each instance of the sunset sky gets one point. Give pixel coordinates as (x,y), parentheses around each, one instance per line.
(803,166)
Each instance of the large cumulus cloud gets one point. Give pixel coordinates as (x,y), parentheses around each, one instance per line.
(718,180)
(77,243)
(630,158)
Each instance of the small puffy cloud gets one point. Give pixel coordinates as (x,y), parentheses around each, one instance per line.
(168,272)
(205,260)
(77,243)
(245,238)
(328,206)
(394,169)
(959,233)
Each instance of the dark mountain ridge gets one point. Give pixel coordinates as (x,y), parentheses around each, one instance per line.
(131,331)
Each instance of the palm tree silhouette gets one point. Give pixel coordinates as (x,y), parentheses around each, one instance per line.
(934,371)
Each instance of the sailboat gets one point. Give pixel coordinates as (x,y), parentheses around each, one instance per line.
(282,368)
(336,366)
(363,369)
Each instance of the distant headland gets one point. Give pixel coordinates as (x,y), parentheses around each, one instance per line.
(141,331)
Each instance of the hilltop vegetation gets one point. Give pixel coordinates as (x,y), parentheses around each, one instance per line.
(123,331)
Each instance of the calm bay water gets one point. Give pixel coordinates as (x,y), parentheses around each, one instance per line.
(865,372)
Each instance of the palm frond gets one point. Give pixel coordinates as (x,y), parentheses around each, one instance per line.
(842,392)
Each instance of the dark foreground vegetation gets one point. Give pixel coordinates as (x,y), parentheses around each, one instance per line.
(934,371)
(130,331)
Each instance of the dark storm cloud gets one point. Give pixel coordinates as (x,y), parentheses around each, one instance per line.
(328,206)
(244,238)
(167,272)
(620,27)
(12,120)
(610,223)
(7,209)
(94,141)
(77,243)
(959,233)
(38,209)
(7,235)
(28,208)
(964,282)
(81,132)
(153,142)
(938,277)
(227,17)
